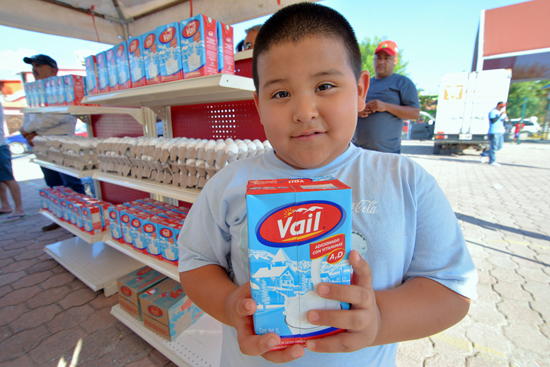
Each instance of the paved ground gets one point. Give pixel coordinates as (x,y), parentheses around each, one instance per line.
(504,212)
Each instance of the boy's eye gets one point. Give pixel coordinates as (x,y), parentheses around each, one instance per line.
(281,94)
(323,87)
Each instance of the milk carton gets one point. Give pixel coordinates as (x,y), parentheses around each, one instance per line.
(137,66)
(168,232)
(137,221)
(60,90)
(30,94)
(92,82)
(299,235)
(112,68)
(122,65)
(115,224)
(226,56)
(48,84)
(74,89)
(169,52)
(199,51)
(132,285)
(41,91)
(150,58)
(102,72)
(91,218)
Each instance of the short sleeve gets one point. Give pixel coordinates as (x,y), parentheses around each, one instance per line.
(409,94)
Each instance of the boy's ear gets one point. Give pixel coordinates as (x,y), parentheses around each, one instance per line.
(362,89)
(257,104)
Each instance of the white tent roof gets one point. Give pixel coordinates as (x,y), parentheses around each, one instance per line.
(115,20)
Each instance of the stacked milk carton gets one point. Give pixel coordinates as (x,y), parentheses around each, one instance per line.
(75,152)
(86,213)
(149,226)
(190,48)
(66,90)
(181,162)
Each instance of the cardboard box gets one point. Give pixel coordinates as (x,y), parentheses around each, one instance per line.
(122,65)
(167,310)
(299,235)
(150,58)
(169,52)
(226,55)
(102,72)
(132,285)
(137,66)
(199,50)
(92,81)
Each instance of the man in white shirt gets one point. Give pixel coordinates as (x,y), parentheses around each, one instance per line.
(34,124)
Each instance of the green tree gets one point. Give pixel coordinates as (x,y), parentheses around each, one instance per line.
(368,46)
(536,100)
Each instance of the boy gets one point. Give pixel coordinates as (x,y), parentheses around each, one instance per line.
(309,89)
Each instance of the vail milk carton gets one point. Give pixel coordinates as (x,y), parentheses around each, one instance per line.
(74,89)
(122,66)
(299,235)
(102,72)
(60,89)
(150,58)
(112,69)
(135,56)
(169,52)
(41,89)
(199,50)
(91,75)
(226,56)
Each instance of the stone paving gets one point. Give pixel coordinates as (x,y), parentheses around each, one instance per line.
(503,211)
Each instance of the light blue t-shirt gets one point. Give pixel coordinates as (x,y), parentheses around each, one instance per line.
(496,127)
(402,224)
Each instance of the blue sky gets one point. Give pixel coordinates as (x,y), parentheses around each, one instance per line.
(436,37)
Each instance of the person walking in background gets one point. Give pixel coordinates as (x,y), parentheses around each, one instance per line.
(497,117)
(35,124)
(7,181)
(391,99)
(517,130)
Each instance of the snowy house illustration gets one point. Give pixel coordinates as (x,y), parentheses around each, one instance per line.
(277,279)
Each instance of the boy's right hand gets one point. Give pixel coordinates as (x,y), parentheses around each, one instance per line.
(240,307)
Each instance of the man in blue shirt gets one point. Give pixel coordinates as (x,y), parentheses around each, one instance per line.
(497,117)
(391,99)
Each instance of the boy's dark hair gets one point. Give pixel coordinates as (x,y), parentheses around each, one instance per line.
(295,22)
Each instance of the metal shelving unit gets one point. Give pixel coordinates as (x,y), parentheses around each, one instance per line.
(88,110)
(66,170)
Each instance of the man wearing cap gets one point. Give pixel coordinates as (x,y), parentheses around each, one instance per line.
(35,124)
(497,117)
(391,98)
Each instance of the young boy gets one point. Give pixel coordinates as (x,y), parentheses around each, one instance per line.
(412,273)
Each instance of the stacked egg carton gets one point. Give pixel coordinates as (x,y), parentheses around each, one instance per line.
(70,151)
(113,155)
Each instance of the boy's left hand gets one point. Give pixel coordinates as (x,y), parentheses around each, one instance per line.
(362,322)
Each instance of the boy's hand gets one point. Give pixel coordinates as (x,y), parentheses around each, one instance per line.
(362,321)
(240,307)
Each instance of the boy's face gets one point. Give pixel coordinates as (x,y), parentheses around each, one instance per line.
(308,100)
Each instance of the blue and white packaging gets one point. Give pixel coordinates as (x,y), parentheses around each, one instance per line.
(169,52)
(199,50)
(112,68)
(150,58)
(137,65)
(122,65)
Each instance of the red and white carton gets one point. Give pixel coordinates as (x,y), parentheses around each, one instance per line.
(299,235)
(91,218)
(226,55)
(136,62)
(102,72)
(199,50)
(168,233)
(150,58)
(115,223)
(137,221)
(92,81)
(169,52)
(74,89)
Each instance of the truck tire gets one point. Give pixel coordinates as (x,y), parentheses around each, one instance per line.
(437,148)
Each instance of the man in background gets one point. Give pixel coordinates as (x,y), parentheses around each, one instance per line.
(35,124)
(391,98)
(248,42)
(7,181)
(497,118)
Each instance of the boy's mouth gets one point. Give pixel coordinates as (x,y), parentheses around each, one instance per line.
(308,135)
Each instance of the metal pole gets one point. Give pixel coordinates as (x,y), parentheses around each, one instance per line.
(522,115)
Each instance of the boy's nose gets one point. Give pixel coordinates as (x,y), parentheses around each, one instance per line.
(305,109)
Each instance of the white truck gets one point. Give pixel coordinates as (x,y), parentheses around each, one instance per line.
(465,100)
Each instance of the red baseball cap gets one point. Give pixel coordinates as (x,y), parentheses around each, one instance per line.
(501,104)
(388,47)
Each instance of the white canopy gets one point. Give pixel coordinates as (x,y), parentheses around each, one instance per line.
(110,21)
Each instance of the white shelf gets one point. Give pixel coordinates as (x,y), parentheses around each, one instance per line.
(136,113)
(198,346)
(89,238)
(96,265)
(206,89)
(66,170)
(163,267)
(179,193)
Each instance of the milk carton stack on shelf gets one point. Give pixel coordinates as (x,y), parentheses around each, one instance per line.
(149,226)
(197,46)
(132,285)
(86,213)
(55,91)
